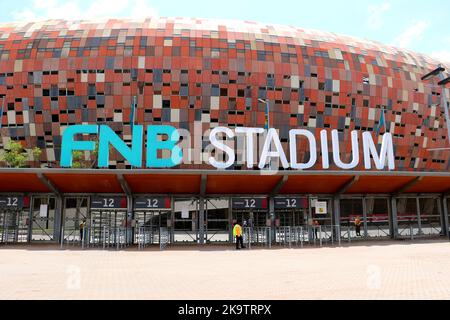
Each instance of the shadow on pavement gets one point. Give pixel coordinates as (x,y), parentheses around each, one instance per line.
(222,247)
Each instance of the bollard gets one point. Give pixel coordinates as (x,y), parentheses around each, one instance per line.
(411,232)
(348,234)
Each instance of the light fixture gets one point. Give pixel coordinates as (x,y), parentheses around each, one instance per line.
(444,82)
(433,73)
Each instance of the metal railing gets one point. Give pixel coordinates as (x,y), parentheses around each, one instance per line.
(164,238)
(258,236)
(91,237)
(147,236)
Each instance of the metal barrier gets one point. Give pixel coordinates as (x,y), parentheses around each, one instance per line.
(71,237)
(147,236)
(164,238)
(106,237)
(258,236)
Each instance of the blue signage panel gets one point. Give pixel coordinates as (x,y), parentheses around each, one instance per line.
(249,203)
(149,203)
(291,203)
(108,203)
(11,202)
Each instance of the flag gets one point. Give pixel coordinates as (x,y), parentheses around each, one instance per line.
(382,122)
(267,124)
(1,112)
(133,114)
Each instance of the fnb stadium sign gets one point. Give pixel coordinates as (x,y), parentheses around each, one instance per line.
(167,140)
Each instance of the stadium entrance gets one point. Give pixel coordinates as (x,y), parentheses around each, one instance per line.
(291,220)
(252,213)
(14,219)
(151,217)
(109,223)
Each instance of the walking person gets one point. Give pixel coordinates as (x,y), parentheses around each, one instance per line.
(237,234)
(82,227)
(316,226)
(358,226)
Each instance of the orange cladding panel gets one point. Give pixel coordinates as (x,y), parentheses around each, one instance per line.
(21,182)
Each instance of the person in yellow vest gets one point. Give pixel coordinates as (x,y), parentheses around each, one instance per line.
(82,227)
(358,226)
(238,235)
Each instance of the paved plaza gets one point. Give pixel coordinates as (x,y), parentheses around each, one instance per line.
(385,270)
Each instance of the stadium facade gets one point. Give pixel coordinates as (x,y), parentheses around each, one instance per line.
(376,132)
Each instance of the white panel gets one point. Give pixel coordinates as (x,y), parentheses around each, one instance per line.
(371,114)
(100,77)
(157,102)
(295,82)
(215,103)
(32,130)
(336,86)
(418,132)
(50,154)
(175,115)
(433,111)
(11,117)
(312,123)
(18,65)
(26,117)
(118,117)
(141,63)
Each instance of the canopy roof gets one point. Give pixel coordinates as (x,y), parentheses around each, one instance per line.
(214,183)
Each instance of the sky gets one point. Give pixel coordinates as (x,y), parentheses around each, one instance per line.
(418,25)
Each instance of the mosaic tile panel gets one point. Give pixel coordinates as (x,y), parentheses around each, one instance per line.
(203,73)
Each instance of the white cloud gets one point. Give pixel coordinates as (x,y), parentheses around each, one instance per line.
(442,56)
(73,10)
(412,34)
(375,21)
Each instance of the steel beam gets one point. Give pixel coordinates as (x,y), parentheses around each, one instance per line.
(203,185)
(279,186)
(408,185)
(49,184)
(348,185)
(124,184)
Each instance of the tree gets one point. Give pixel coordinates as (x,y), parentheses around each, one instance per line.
(16,156)
(79,162)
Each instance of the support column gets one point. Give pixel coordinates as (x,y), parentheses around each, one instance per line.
(57,234)
(171,227)
(419,221)
(272,217)
(366,232)
(201,221)
(130,218)
(230,221)
(337,214)
(393,218)
(443,210)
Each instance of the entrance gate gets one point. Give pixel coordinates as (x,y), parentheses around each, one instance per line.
(109,224)
(291,220)
(217,222)
(14,219)
(76,212)
(253,214)
(151,216)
